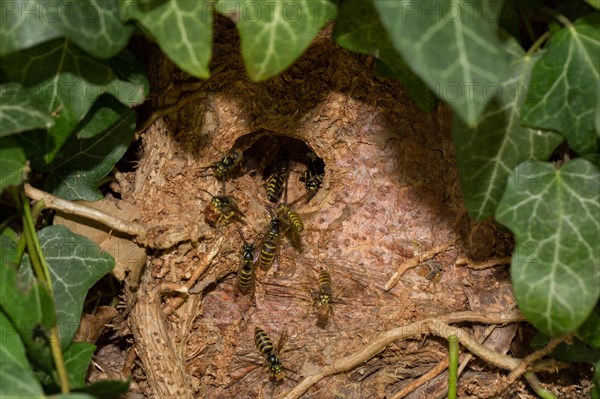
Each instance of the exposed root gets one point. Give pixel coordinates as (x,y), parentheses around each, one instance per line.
(414,262)
(530,359)
(72,208)
(483,265)
(178,301)
(438,369)
(436,326)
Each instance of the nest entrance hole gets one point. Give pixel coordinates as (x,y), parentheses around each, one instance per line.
(267,149)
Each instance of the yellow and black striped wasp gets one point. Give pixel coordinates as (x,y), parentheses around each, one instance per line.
(265,347)
(222,209)
(246,275)
(227,164)
(323,298)
(276,180)
(313,175)
(270,242)
(293,224)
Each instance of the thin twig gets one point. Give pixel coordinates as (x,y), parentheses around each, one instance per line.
(536,385)
(431,374)
(484,264)
(178,301)
(434,325)
(415,261)
(72,208)
(530,359)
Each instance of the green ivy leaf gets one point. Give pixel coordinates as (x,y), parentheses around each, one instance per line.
(72,395)
(18,113)
(455,49)
(12,350)
(8,247)
(76,264)
(83,162)
(77,360)
(12,163)
(275,33)
(358,29)
(487,153)
(589,332)
(18,383)
(28,304)
(183,30)
(564,86)
(68,81)
(555,217)
(594,3)
(93,25)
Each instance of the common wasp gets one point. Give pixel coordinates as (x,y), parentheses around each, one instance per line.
(276,180)
(292,221)
(222,209)
(270,242)
(323,298)
(226,164)
(265,347)
(313,175)
(246,275)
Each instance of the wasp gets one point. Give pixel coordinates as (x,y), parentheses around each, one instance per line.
(226,164)
(270,242)
(323,298)
(246,275)
(223,209)
(265,347)
(292,221)
(274,183)
(313,175)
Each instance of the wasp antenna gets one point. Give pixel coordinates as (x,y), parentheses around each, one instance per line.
(241,234)
(207,192)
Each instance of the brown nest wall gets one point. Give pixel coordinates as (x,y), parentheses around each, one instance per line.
(390,193)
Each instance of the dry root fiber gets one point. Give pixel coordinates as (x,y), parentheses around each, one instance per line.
(389,195)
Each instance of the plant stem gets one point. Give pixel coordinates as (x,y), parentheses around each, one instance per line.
(538,43)
(561,18)
(42,272)
(452,366)
(535,384)
(40,267)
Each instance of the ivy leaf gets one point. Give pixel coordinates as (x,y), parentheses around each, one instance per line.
(12,350)
(564,86)
(76,264)
(487,153)
(68,81)
(183,30)
(275,33)
(19,113)
(77,360)
(28,304)
(12,163)
(589,332)
(93,25)
(83,162)
(455,49)
(18,383)
(359,29)
(594,3)
(555,217)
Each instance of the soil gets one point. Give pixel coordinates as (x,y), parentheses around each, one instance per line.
(390,193)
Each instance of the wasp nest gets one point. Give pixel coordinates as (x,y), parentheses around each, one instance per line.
(387,193)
